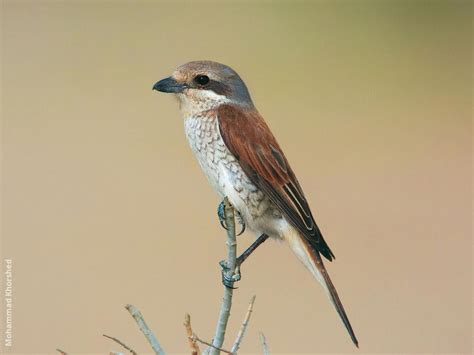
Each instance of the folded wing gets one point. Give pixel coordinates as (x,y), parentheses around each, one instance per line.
(248,137)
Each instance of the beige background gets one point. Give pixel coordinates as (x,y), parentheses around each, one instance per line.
(103,203)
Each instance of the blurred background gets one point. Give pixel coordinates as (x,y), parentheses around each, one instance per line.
(103,203)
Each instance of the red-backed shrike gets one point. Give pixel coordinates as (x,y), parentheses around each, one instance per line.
(243,161)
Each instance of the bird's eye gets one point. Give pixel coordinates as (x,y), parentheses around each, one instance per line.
(201,79)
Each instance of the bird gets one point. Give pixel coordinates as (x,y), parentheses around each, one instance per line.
(243,161)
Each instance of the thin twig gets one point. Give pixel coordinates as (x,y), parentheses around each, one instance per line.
(195,337)
(191,339)
(243,328)
(150,336)
(228,291)
(62,352)
(264,344)
(125,346)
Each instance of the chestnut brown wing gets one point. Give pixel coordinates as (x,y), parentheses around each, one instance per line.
(248,137)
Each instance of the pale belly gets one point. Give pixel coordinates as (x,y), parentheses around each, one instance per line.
(228,179)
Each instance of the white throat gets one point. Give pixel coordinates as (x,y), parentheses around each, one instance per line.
(194,101)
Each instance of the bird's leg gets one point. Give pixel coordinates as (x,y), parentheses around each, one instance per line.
(221,216)
(229,282)
(251,249)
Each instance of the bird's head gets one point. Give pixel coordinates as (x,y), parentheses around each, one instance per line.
(202,85)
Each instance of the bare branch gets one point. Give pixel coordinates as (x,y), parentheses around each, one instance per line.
(243,328)
(264,344)
(195,337)
(150,336)
(62,352)
(121,343)
(191,338)
(229,274)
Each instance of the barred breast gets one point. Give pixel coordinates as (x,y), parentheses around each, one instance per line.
(226,176)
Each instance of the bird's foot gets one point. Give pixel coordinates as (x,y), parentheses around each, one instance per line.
(240,220)
(228,278)
(221,216)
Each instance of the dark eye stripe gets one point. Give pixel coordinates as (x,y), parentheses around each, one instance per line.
(218,87)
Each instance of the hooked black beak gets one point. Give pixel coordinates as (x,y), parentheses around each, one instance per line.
(169,85)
